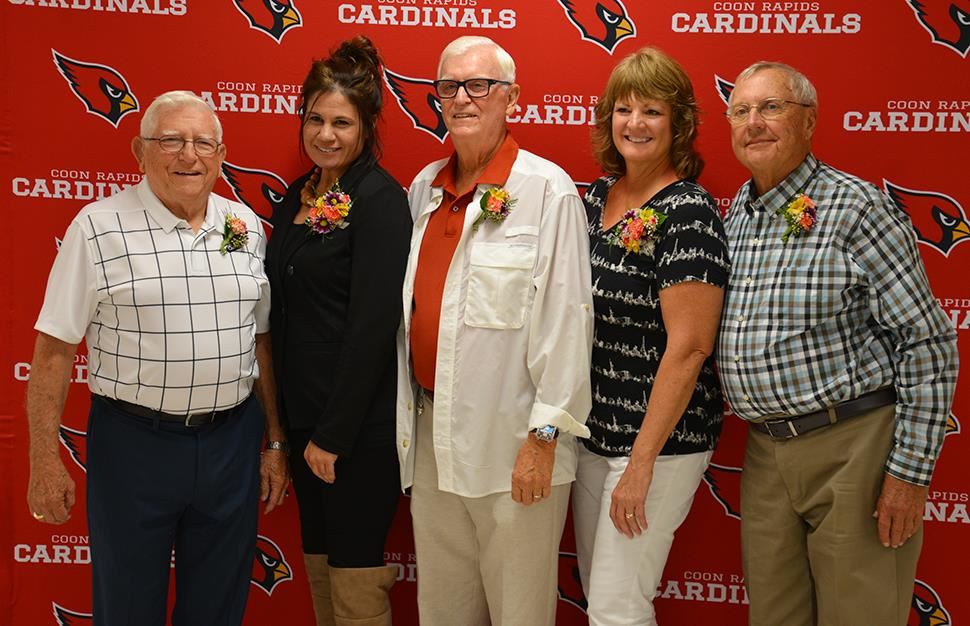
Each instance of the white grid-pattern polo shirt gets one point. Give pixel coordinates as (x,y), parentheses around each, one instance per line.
(170,321)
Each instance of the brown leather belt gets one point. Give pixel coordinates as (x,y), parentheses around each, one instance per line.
(195,419)
(792,427)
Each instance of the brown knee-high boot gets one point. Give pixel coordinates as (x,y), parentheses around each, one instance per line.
(318,573)
(360,595)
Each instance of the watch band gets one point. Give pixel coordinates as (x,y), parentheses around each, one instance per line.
(283,446)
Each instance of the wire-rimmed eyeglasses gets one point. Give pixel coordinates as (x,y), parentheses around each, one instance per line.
(203,147)
(769,109)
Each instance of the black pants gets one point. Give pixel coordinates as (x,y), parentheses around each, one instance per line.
(152,486)
(349,519)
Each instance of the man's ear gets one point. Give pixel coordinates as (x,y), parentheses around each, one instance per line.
(513,98)
(138,149)
(810,121)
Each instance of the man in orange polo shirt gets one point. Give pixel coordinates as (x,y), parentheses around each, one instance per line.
(494,358)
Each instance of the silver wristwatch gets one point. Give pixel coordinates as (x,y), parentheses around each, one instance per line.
(547,433)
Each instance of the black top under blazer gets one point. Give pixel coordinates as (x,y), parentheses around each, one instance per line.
(336,308)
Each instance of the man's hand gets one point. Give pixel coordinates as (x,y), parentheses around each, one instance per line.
(899,510)
(532,474)
(321,462)
(274,475)
(629,496)
(50,491)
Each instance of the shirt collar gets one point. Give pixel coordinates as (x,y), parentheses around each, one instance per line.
(167,220)
(783,192)
(496,172)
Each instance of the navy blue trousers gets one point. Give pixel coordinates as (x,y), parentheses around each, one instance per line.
(154,486)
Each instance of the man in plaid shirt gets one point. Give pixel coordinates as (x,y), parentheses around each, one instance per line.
(834,350)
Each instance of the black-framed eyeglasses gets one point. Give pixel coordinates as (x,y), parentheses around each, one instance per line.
(769,109)
(474,87)
(203,147)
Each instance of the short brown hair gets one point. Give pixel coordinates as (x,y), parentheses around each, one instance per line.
(353,69)
(650,74)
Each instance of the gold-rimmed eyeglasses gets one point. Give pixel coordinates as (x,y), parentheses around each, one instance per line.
(768,109)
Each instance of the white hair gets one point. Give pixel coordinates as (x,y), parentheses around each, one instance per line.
(172,100)
(802,89)
(464,44)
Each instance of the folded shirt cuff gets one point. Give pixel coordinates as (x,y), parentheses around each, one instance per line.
(543,414)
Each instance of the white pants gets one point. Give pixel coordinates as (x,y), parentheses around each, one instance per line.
(487,560)
(620,575)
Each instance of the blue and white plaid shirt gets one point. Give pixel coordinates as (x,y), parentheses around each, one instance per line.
(839,311)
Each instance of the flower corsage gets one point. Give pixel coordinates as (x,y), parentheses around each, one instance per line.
(328,211)
(235,234)
(637,231)
(800,214)
(496,204)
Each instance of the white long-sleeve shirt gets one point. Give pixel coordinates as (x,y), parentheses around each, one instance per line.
(515,332)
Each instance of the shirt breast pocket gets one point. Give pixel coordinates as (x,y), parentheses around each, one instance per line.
(499,285)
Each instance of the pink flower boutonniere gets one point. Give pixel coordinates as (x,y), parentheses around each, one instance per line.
(496,204)
(800,215)
(637,231)
(235,235)
(329,211)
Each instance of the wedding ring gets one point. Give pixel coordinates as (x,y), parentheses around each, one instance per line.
(535,497)
(37,515)
(629,515)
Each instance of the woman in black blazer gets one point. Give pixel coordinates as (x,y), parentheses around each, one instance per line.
(336,263)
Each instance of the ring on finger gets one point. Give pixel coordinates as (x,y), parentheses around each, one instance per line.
(536,496)
(628,515)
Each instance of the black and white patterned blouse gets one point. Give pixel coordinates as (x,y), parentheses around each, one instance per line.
(629,331)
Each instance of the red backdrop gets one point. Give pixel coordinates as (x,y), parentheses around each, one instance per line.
(895,109)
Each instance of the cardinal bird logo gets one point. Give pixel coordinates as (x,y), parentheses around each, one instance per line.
(269,567)
(725,484)
(605,22)
(724,88)
(417,98)
(952,425)
(947,24)
(926,608)
(273,17)
(76,442)
(570,586)
(260,190)
(70,618)
(102,89)
(939,219)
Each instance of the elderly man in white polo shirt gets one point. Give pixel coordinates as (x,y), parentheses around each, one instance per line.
(165,281)
(496,344)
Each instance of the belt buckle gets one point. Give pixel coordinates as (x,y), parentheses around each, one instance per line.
(205,418)
(784,434)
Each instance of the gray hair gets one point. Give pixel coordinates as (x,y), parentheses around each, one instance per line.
(464,44)
(802,89)
(171,100)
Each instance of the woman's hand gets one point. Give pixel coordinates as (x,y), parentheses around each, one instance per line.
(629,497)
(321,462)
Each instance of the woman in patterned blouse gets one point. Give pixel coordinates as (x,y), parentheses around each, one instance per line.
(659,268)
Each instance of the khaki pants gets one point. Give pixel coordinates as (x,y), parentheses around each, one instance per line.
(487,560)
(810,545)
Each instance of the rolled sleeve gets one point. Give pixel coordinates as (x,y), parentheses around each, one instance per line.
(561,328)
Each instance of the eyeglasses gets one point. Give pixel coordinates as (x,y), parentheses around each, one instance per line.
(173,145)
(474,87)
(768,109)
